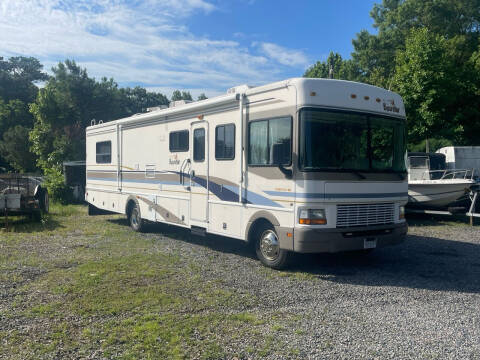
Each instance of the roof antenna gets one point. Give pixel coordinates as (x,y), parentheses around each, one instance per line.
(330,72)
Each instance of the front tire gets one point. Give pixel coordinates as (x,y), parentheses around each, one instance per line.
(135,219)
(267,247)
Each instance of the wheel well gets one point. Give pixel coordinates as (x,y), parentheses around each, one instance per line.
(257,224)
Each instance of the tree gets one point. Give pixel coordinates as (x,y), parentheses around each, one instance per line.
(202,96)
(341,69)
(184,95)
(138,99)
(427,80)
(65,107)
(12,114)
(17,78)
(394,19)
(15,149)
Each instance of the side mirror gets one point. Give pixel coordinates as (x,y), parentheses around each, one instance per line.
(278,157)
(277,153)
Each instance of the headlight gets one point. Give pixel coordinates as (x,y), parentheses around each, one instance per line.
(312,217)
(401,212)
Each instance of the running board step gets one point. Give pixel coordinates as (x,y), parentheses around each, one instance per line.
(199,231)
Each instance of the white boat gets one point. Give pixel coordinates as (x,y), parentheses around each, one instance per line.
(431,185)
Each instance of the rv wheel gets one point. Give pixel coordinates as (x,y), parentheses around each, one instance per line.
(268,248)
(135,219)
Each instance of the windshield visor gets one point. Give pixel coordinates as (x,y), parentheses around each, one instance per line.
(337,140)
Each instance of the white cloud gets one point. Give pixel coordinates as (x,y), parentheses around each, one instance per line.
(284,56)
(142,42)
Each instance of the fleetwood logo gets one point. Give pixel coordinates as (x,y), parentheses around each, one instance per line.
(174,160)
(389,105)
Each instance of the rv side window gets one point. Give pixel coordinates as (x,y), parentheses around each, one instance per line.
(264,135)
(178,141)
(199,145)
(104,152)
(225,142)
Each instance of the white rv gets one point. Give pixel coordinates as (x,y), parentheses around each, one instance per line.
(301,165)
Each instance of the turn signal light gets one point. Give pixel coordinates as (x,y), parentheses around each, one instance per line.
(313,221)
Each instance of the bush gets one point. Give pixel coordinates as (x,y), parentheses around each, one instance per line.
(57,190)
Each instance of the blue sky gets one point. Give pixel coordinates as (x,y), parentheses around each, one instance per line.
(196,45)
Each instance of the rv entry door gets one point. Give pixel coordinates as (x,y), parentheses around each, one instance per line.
(199,174)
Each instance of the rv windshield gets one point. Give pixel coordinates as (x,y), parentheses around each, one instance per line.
(339,140)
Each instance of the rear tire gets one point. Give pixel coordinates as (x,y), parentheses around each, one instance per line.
(268,248)
(135,219)
(44,201)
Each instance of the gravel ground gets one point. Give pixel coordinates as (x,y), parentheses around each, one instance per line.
(420,299)
(416,300)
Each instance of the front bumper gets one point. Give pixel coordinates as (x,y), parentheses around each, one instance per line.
(346,239)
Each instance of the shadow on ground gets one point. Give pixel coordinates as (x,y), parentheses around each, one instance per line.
(25,224)
(420,262)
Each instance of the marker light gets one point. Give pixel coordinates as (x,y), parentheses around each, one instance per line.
(312,217)
(401,212)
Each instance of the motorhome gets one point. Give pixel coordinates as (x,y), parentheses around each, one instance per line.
(301,165)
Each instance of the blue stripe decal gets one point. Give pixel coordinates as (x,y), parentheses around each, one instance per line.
(143,181)
(254,198)
(224,193)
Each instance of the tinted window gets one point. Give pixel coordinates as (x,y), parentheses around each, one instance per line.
(178,141)
(225,142)
(104,152)
(340,140)
(199,145)
(264,136)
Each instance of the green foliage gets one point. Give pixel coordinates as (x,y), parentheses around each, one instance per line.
(137,100)
(17,77)
(184,95)
(57,190)
(15,123)
(426,79)
(341,69)
(15,149)
(202,96)
(17,88)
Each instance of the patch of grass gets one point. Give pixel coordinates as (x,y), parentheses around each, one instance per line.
(90,287)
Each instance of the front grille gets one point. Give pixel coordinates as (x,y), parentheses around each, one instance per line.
(364,214)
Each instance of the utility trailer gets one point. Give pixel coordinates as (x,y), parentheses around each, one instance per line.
(22,195)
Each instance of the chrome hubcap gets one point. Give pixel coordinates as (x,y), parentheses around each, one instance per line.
(134,217)
(269,245)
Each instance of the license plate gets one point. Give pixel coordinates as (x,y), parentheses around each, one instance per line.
(369,243)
